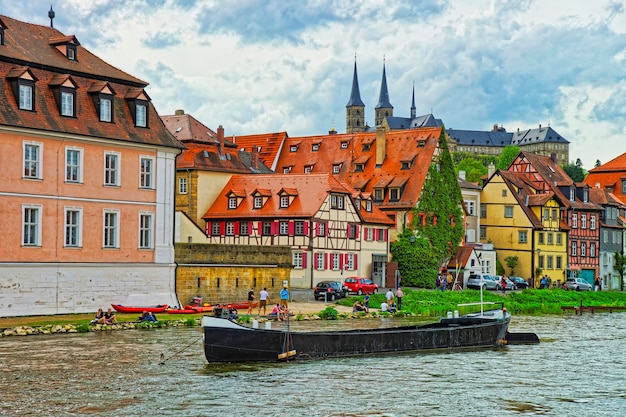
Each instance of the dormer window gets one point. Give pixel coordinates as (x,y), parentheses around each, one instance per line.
(586,195)
(102,95)
(336,168)
(308,169)
(405,165)
(232,203)
(286,170)
(366,147)
(71,52)
(572,194)
(284,201)
(293,148)
(138,102)
(26,94)
(359,167)
(368,206)
(258,202)
(379,194)
(344,145)
(64,91)
(394,194)
(315,147)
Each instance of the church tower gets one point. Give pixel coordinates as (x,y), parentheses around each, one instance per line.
(384,107)
(413,112)
(355,109)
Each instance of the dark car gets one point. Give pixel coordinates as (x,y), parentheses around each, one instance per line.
(361,285)
(519,282)
(329,290)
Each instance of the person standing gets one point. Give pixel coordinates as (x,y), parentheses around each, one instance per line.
(449,280)
(264,297)
(503,284)
(598,284)
(250,300)
(399,295)
(389,296)
(284,296)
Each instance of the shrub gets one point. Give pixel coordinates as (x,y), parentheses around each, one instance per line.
(329,313)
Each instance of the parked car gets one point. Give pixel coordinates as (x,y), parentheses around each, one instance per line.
(577,284)
(486,281)
(361,285)
(330,289)
(510,285)
(520,282)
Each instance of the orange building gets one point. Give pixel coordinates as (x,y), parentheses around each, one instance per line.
(86,186)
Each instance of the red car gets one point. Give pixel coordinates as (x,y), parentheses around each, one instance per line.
(361,285)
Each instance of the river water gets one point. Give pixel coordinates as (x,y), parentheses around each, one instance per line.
(578,369)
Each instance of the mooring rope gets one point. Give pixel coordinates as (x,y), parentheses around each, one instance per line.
(163,358)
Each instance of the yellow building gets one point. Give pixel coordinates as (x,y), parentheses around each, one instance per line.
(521,222)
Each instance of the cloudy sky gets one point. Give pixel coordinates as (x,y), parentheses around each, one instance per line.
(258,66)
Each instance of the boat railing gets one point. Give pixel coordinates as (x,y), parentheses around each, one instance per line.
(482,305)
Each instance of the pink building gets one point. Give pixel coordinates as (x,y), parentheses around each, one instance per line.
(87,180)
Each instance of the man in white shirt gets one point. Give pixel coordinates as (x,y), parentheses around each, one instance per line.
(264,297)
(383,306)
(389,296)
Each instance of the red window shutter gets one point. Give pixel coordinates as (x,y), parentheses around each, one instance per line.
(326,231)
(317,229)
(222,228)
(341,260)
(386,235)
(259,231)
(237,228)
(209,228)
(306,228)
(358,228)
(325,260)
(291,228)
(274,228)
(376,234)
(304,256)
(250,232)
(356,262)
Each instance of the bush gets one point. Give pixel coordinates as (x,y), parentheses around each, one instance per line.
(329,313)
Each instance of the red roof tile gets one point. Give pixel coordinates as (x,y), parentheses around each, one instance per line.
(270,145)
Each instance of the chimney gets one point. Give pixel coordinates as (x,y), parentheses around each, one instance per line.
(495,127)
(255,157)
(539,126)
(220,140)
(491,169)
(179,112)
(553,157)
(462,174)
(380,146)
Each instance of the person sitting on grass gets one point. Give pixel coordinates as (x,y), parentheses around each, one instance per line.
(147,316)
(275,311)
(99,318)
(109,317)
(233,314)
(358,307)
(392,307)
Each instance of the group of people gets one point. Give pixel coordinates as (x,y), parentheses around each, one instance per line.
(444,281)
(279,310)
(545,282)
(104,318)
(390,305)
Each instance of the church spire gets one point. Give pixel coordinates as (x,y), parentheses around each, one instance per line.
(355,94)
(355,109)
(384,107)
(413,113)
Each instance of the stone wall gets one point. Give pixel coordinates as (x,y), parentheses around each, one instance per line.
(225,273)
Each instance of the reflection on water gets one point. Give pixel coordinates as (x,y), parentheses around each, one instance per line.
(578,369)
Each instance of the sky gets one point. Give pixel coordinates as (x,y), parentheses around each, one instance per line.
(262,66)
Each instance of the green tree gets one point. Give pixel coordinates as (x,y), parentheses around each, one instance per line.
(575,171)
(619,264)
(437,216)
(416,260)
(508,155)
(511,262)
(474,169)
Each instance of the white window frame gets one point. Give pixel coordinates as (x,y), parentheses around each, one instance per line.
(592,222)
(258,202)
(74,169)
(336,169)
(574,221)
(350,262)
(508,211)
(229,229)
(141,115)
(32,164)
(115,172)
(146,230)
(146,172)
(583,221)
(182,185)
(110,232)
(31,227)
(284,201)
(215,229)
(369,233)
(470,205)
(244,229)
(296,260)
(26,96)
(73,231)
(106,109)
(319,261)
(335,261)
(283,228)
(232,203)
(298,228)
(67,103)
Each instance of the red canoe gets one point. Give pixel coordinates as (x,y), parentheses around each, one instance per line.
(199,309)
(183,311)
(208,309)
(152,309)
